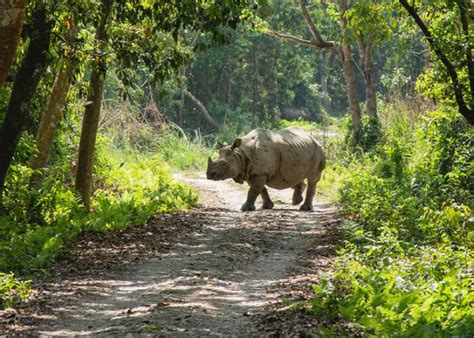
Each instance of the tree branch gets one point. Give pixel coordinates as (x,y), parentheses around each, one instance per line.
(462,107)
(296,39)
(313,30)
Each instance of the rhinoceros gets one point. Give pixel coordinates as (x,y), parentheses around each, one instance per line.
(277,159)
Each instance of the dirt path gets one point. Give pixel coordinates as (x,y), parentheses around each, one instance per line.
(211,271)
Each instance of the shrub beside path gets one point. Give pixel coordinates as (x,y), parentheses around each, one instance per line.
(212,270)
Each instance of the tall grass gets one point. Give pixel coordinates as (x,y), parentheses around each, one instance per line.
(183,152)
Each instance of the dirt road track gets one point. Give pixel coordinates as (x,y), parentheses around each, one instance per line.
(212,271)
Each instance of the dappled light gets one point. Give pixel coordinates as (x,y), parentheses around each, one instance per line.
(255,168)
(223,268)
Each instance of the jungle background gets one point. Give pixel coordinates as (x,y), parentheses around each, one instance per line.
(101,101)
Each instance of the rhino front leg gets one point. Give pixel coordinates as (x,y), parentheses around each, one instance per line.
(257,184)
(267,202)
(298,193)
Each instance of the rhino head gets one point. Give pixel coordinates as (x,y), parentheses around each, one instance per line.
(228,165)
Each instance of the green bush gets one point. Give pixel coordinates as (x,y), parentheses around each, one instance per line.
(367,137)
(12,290)
(406,268)
(39,222)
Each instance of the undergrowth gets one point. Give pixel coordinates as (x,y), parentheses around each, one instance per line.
(37,223)
(406,267)
(183,152)
(13,290)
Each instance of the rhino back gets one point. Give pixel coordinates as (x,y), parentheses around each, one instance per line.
(286,156)
(300,157)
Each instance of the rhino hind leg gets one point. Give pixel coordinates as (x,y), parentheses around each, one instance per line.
(308,202)
(267,202)
(298,193)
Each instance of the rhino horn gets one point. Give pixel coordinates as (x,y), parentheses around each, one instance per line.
(209,161)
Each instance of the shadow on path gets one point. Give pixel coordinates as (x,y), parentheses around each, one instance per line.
(201,273)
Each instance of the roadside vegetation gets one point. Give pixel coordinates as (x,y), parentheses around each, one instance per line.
(406,266)
(101,102)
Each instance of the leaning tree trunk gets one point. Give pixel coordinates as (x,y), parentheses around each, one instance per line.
(11,23)
(53,111)
(205,114)
(51,117)
(18,114)
(466,14)
(463,108)
(90,122)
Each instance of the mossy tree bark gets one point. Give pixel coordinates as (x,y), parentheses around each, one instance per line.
(11,23)
(90,122)
(51,118)
(52,112)
(348,70)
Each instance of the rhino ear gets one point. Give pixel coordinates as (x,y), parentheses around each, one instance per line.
(220,144)
(236,143)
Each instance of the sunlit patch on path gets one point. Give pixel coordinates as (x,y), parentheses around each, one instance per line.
(221,270)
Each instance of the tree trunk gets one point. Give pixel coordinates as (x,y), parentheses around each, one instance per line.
(27,79)
(351,86)
(273,82)
(51,117)
(365,50)
(205,114)
(323,80)
(11,23)
(179,112)
(254,86)
(371,93)
(229,88)
(344,50)
(349,71)
(90,122)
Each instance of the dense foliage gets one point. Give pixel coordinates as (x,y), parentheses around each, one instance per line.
(407,263)
(179,76)
(131,187)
